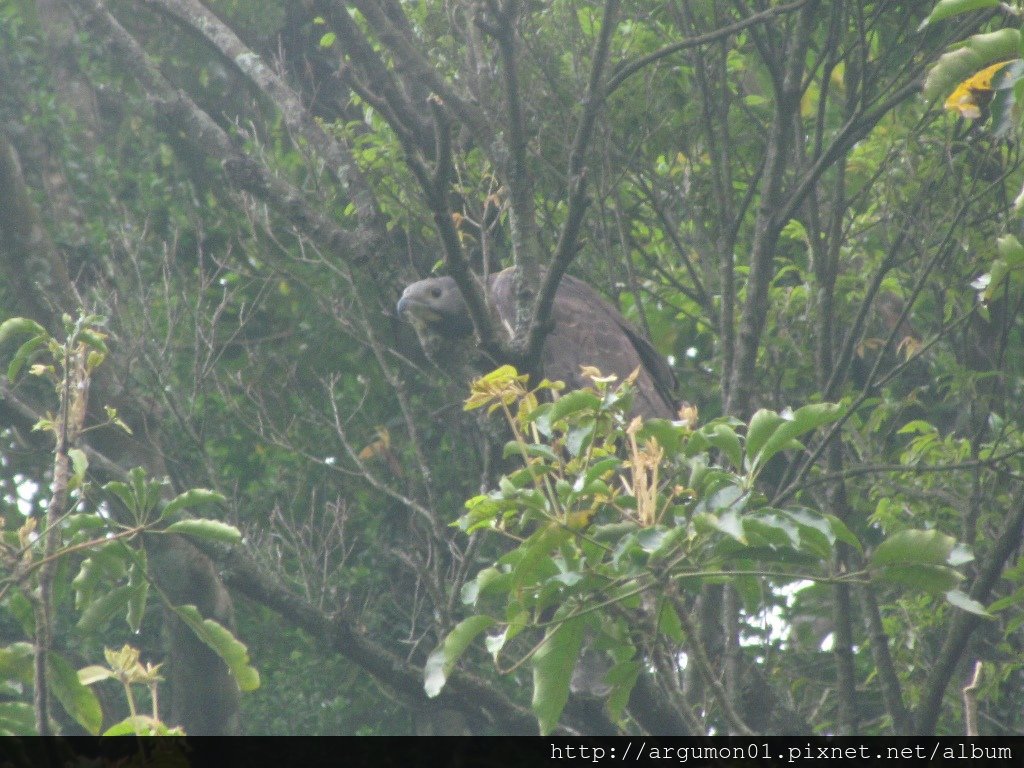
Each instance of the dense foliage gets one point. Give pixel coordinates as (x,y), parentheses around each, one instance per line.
(225,200)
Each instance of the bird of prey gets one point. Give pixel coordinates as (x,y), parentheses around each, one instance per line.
(586,330)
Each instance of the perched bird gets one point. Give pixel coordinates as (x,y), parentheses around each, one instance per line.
(586,330)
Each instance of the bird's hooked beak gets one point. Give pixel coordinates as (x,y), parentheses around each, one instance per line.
(403,304)
(412,306)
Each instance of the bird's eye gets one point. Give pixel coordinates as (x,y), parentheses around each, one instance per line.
(436,292)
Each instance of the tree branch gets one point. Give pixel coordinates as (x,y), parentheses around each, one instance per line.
(767,225)
(964,623)
(179,113)
(197,18)
(625,71)
(576,201)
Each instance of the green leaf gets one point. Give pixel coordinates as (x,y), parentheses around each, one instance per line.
(729,498)
(109,561)
(622,678)
(668,544)
(327,40)
(210,530)
(750,590)
(1004,109)
(23,354)
(442,660)
(669,624)
(762,425)
(596,470)
(492,580)
(730,523)
(946,8)
(727,441)
(579,437)
(94,340)
(16,662)
(914,546)
(196,497)
(1009,247)
(553,664)
(226,645)
(928,578)
(515,449)
(966,603)
(103,609)
(535,562)
(16,325)
(844,534)
(84,522)
(772,530)
(137,599)
(573,402)
(1005,602)
(651,539)
(123,492)
(17,718)
(140,725)
(78,700)
(79,463)
(804,419)
(667,434)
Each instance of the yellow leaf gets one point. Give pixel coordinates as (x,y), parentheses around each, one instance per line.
(594,374)
(502,385)
(968,97)
(378,446)
(909,346)
(688,415)
(577,521)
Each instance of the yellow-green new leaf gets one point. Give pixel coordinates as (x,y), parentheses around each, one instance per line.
(94,673)
(79,464)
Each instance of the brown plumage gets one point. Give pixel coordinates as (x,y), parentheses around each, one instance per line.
(586,330)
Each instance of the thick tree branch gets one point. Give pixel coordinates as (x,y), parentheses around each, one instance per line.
(412,66)
(301,124)
(624,71)
(903,723)
(463,691)
(513,160)
(378,83)
(178,112)
(576,201)
(1005,543)
(767,225)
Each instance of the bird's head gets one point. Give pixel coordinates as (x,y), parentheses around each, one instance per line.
(437,304)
